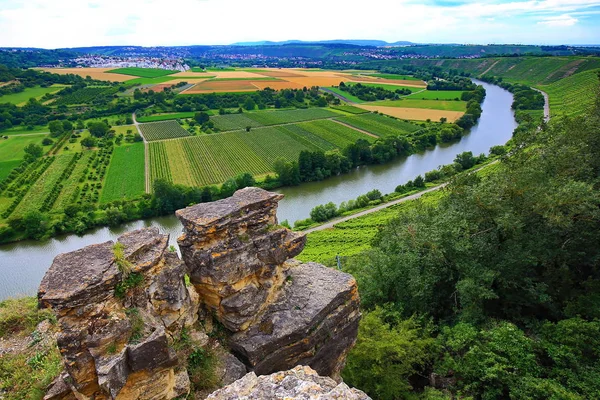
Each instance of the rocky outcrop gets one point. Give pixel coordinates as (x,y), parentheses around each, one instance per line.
(122,307)
(283,312)
(117,306)
(300,383)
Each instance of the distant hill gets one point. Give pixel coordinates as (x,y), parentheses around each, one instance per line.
(372,43)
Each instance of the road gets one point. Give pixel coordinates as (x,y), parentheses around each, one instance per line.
(546,104)
(415,196)
(146,155)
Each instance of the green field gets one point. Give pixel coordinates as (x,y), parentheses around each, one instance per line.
(337,134)
(573,95)
(211,159)
(125,177)
(350,109)
(22,130)
(81,96)
(36,92)
(166,117)
(143,72)
(162,130)
(150,81)
(394,76)
(7,166)
(41,188)
(254,119)
(447,105)
(351,237)
(12,148)
(346,95)
(386,86)
(379,125)
(435,95)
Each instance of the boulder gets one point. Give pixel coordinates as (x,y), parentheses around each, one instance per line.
(115,324)
(299,383)
(282,313)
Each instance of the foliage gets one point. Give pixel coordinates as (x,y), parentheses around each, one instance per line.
(388,352)
(125,175)
(202,369)
(379,125)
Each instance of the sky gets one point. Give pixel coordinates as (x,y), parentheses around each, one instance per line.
(79,23)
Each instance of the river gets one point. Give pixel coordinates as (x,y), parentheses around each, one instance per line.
(23,264)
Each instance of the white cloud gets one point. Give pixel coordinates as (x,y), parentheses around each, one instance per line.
(559,21)
(73,23)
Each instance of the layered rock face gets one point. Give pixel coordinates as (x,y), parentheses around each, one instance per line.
(283,313)
(300,383)
(115,330)
(121,306)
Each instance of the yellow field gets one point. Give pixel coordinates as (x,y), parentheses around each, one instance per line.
(418,114)
(95,73)
(221,86)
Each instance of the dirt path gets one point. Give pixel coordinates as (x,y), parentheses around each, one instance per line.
(146,155)
(490,68)
(356,129)
(332,223)
(546,104)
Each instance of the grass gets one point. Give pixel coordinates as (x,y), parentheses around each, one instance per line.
(166,117)
(35,92)
(573,95)
(12,148)
(386,86)
(147,81)
(125,176)
(142,72)
(265,118)
(70,186)
(379,125)
(394,76)
(23,130)
(163,130)
(337,134)
(7,166)
(435,95)
(35,197)
(353,236)
(26,374)
(447,105)
(345,95)
(350,109)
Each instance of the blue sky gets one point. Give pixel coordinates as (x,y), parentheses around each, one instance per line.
(72,23)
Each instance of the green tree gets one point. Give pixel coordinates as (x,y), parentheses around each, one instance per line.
(56,128)
(89,142)
(98,129)
(201,117)
(33,151)
(388,352)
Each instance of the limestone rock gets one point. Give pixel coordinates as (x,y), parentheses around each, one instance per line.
(116,343)
(300,383)
(282,313)
(313,321)
(236,252)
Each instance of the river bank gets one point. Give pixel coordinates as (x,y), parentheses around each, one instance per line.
(23,264)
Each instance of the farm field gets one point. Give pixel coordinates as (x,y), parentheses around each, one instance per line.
(572,95)
(393,76)
(415,114)
(37,195)
(142,72)
(231,122)
(36,92)
(72,185)
(389,86)
(349,109)
(81,96)
(409,83)
(346,95)
(351,237)
(7,166)
(12,148)
(95,73)
(166,117)
(22,130)
(210,86)
(162,130)
(379,125)
(125,176)
(409,102)
(212,159)
(436,95)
